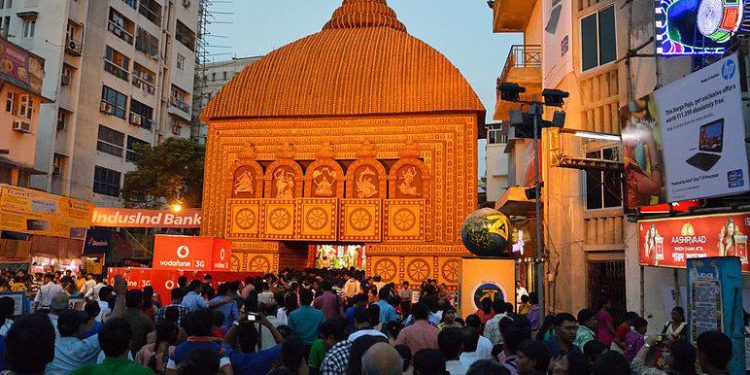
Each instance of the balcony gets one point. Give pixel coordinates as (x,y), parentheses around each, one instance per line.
(120,32)
(153,15)
(145,86)
(116,70)
(523,66)
(511,16)
(179,104)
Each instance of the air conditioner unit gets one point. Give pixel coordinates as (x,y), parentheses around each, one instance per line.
(56,171)
(22,127)
(106,108)
(72,45)
(65,80)
(136,119)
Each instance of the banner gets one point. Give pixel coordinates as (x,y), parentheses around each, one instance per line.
(558,54)
(129,218)
(477,282)
(671,242)
(35,212)
(191,253)
(680,143)
(715,304)
(97,241)
(21,68)
(164,281)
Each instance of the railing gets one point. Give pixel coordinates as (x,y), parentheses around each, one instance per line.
(115,70)
(152,16)
(142,84)
(180,104)
(522,56)
(120,32)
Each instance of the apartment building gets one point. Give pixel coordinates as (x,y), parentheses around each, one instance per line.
(21,75)
(210,79)
(496,161)
(582,47)
(120,73)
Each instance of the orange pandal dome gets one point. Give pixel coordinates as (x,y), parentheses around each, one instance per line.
(364,13)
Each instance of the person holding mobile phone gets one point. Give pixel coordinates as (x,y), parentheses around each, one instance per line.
(241,344)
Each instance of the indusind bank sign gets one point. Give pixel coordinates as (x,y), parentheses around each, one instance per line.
(130,218)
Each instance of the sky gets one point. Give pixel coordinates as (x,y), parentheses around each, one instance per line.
(460,29)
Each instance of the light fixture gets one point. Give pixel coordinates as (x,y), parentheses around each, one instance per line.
(510,91)
(176,207)
(598,136)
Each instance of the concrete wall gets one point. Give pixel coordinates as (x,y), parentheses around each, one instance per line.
(497,171)
(21,146)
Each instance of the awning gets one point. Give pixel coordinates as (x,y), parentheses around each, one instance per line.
(29,14)
(16,165)
(515,203)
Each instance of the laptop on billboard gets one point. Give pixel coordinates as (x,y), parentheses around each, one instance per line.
(710,145)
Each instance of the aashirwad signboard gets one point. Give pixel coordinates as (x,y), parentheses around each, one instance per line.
(703,133)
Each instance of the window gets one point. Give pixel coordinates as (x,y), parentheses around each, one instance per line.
(132,3)
(67,75)
(10,103)
(62,119)
(225,76)
(6,4)
(6,26)
(185,36)
(134,145)
(29,25)
(106,181)
(180,62)
(58,164)
(110,141)
(117,100)
(140,109)
(496,136)
(598,39)
(603,189)
(146,43)
(27,107)
(213,77)
(116,63)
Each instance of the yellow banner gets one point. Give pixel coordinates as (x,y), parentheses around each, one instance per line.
(35,212)
(486,278)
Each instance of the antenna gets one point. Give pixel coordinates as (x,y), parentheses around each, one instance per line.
(207,16)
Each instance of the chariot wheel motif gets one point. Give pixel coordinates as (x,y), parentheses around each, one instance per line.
(316,218)
(245,218)
(235,263)
(280,219)
(418,270)
(360,219)
(404,220)
(450,270)
(386,269)
(259,263)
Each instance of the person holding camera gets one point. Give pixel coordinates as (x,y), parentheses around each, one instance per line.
(242,344)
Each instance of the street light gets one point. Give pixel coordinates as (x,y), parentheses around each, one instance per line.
(510,92)
(176,207)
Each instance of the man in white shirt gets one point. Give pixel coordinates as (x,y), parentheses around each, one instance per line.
(476,347)
(492,327)
(105,293)
(46,292)
(87,290)
(194,301)
(352,287)
(99,285)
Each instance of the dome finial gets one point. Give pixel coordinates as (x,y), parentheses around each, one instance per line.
(362,14)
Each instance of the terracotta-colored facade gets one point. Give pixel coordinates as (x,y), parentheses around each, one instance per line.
(358,134)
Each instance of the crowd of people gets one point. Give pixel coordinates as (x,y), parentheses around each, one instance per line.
(331,322)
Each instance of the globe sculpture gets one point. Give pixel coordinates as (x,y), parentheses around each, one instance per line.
(486,232)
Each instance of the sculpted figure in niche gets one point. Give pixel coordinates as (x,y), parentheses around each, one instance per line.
(244,183)
(365,185)
(407,179)
(284,184)
(323,179)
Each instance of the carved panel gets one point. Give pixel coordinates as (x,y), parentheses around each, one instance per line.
(409,177)
(283,180)
(450,270)
(418,270)
(278,218)
(243,218)
(404,220)
(386,268)
(245,175)
(324,179)
(361,220)
(317,219)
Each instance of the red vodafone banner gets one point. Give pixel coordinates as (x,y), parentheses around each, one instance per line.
(191,253)
(163,281)
(670,242)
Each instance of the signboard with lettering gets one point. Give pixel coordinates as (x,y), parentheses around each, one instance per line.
(21,68)
(131,218)
(191,253)
(477,283)
(35,212)
(671,242)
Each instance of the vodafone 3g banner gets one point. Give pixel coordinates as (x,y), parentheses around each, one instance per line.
(671,242)
(191,253)
(163,281)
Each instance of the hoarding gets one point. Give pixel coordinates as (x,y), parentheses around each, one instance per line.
(671,242)
(698,27)
(35,212)
(108,217)
(686,140)
(558,54)
(477,284)
(191,253)
(21,68)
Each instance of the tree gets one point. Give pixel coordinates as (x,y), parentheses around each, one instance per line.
(169,172)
